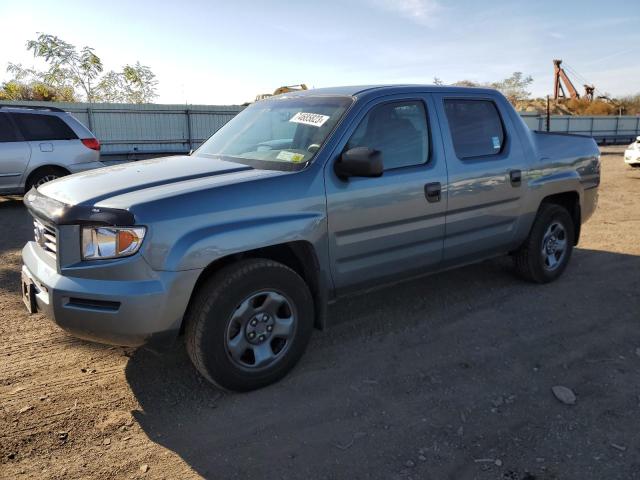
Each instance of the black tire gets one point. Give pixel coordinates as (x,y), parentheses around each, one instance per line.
(530,261)
(43,175)
(214,313)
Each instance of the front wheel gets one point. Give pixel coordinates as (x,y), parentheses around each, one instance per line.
(545,254)
(249,324)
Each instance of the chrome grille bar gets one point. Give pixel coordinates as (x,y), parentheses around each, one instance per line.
(45,236)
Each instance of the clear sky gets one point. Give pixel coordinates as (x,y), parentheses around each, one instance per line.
(224,52)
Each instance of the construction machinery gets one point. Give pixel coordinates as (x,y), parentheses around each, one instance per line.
(559,77)
(283,89)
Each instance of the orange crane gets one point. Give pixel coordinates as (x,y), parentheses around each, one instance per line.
(560,77)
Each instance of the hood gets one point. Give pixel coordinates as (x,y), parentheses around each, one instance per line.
(96,186)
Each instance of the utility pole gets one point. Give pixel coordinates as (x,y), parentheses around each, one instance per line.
(548,115)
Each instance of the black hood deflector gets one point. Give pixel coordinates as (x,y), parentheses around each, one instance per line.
(53,211)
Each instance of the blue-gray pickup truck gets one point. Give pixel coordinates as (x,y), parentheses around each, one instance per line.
(301,199)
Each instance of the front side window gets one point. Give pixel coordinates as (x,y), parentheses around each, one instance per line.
(7,131)
(398,130)
(36,127)
(476,128)
(278,133)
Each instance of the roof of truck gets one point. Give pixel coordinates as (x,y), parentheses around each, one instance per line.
(355,90)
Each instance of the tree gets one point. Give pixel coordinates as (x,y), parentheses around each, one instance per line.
(70,69)
(66,63)
(135,84)
(631,104)
(514,87)
(468,83)
(29,84)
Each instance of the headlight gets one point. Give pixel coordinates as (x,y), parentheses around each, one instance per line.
(110,242)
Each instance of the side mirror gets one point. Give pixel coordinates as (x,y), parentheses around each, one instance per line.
(359,162)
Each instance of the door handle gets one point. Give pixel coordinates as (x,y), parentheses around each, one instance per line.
(433,192)
(516,178)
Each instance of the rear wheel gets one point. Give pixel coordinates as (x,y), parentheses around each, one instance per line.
(249,324)
(44,175)
(545,254)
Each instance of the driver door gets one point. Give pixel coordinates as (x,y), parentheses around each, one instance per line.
(384,228)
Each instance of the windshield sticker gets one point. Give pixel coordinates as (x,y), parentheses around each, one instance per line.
(290,156)
(496,142)
(313,119)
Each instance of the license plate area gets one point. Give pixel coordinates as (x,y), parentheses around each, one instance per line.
(29,293)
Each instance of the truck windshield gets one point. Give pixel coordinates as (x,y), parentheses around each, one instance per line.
(281,133)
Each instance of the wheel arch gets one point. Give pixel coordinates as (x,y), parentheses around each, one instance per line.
(34,173)
(299,255)
(569,200)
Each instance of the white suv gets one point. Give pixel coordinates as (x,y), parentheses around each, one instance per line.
(39,144)
(632,154)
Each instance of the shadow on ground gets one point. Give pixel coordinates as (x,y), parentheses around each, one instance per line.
(443,377)
(14,220)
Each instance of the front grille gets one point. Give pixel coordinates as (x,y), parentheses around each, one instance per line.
(46,237)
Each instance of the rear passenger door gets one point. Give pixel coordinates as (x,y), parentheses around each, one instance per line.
(14,155)
(383,228)
(485,162)
(52,141)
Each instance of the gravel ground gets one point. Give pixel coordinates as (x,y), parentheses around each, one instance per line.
(449,376)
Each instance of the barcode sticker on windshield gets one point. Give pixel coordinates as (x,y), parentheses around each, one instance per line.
(313,119)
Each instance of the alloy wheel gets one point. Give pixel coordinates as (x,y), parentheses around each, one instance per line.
(260,330)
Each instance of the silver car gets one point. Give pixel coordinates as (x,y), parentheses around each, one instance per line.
(41,143)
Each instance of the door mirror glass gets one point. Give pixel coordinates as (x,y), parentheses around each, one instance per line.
(359,162)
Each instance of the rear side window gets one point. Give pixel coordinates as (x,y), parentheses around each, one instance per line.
(7,130)
(43,127)
(476,127)
(398,130)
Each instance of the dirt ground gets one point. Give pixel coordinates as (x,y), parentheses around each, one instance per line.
(449,376)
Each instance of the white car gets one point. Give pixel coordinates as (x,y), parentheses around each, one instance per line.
(632,154)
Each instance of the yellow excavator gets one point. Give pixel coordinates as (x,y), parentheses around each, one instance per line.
(283,89)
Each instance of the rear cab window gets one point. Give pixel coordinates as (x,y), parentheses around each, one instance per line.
(399,130)
(476,127)
(35,127)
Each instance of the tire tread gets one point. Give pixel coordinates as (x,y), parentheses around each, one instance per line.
(526,258)
(206,297)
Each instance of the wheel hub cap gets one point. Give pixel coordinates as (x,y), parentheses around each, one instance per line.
(259,328)
(554,245)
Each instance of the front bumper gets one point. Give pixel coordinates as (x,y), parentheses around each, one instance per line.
(632,156)
(117,311)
